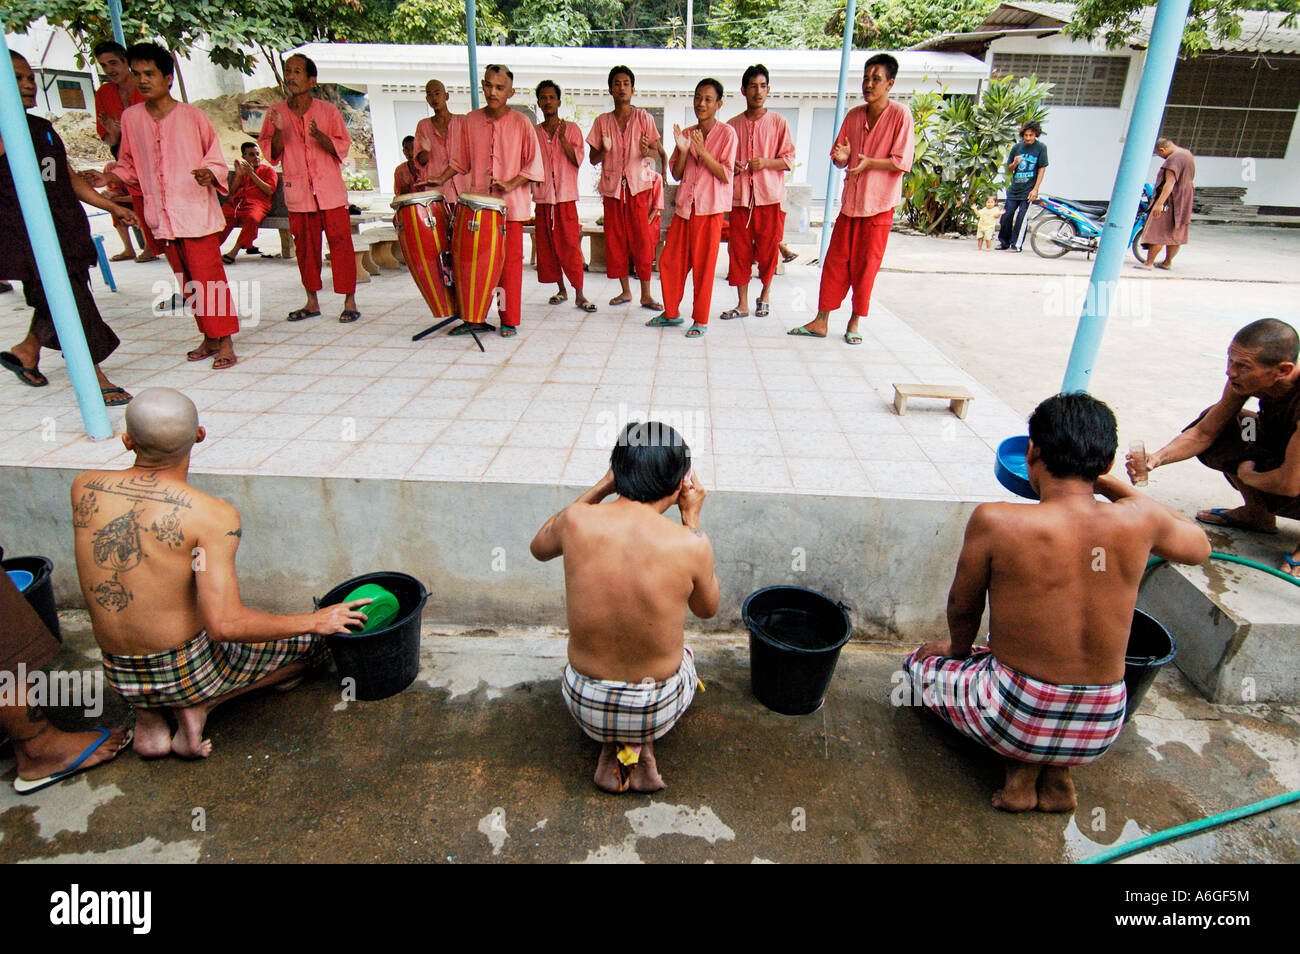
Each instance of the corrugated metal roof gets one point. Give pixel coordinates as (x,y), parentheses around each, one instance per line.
(1261,30)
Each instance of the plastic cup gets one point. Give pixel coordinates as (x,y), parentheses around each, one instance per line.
(1138,454)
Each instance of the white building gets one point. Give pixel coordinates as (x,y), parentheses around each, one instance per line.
(1234,106)
(803,87)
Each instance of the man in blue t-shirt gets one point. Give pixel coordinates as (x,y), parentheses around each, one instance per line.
(1025,164)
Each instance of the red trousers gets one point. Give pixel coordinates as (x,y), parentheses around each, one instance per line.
(692,245)
(627,235)
(306,228)
(197,264)
(512,277)
(755,238)
(558,235)
(852,260)
(248,219)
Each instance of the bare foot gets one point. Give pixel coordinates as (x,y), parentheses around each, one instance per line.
(188,742)
(153,737)
(645,773)
(1056,790)
(1291,563)
(609,773)
(1018,793)
(52,751)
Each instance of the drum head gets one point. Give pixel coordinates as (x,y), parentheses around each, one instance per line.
(473,200)
(414,198)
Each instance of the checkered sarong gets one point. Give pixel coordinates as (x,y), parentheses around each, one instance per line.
(201,669)
(1015,715)
(629,712)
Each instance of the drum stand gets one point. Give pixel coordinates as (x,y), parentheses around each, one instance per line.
(473,331)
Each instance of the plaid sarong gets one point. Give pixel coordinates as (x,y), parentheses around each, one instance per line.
(1018,716)
(201,669)
(632,712)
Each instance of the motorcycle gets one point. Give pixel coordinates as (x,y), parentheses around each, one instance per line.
(1065,225)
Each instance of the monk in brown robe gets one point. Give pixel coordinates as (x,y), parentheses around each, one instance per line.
(1171,213)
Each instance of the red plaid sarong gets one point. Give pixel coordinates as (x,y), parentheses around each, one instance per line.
(1018,716)
(201,669)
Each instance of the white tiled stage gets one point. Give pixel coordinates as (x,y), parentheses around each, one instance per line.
(761,410)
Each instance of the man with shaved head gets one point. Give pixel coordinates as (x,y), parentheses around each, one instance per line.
(1257,451)
(433,134)
(156,561)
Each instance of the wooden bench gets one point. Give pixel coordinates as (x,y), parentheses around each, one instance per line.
(958,398)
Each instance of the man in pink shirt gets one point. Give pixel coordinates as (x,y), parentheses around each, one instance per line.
(875,144)
(495,151)
(170,151)
(764,154)
(558,232)
(432,135)
(620,140)
(407,173)
(703,163)
(250,200)
(309,139)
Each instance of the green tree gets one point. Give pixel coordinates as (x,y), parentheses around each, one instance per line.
(443,21)
(1115,21)
(960,147)
(565,22)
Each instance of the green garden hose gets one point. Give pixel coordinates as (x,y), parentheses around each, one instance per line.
(1169,834)
(1233,558)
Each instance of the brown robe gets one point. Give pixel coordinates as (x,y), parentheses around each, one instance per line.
(1170,228)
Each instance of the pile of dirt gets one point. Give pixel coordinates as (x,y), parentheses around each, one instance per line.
(85,148)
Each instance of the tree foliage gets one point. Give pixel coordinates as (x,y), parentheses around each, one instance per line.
(961,145)
(1115,21)
(443,21)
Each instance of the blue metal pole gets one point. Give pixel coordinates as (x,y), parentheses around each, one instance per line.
(471,43)
(1144,124)
(49,257)
(115,14)
(834,172)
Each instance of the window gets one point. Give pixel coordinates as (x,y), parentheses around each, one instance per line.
(1233,106)
(71,94)
(1077,80)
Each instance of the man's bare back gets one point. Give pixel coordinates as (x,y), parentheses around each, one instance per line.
(629,575)
(140,534)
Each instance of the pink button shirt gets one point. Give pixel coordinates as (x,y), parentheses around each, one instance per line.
(623,161)
(486,149)
(767,137)
(560,179)
(313,179)
(428,139)
(157,156)
(875,191)
(700,191)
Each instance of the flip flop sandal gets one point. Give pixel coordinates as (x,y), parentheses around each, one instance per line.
(852,337)
(302,314)
(10,362)
(228,259)
(509,331)
(556,299)
(589,307)
(223,362)
(763,309)
(620,300)
(25,786)
(122,257)
(121,400)
(348,316)
(802,332)
(733,313)
(466,327)
(789,258)
(662,321)
(697,330)
(1232,523)
(1291,565)
(652,305)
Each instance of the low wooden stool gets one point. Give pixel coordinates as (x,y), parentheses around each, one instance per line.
(958,397)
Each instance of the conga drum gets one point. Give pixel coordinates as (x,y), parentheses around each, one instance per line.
(478,246)
(424,232)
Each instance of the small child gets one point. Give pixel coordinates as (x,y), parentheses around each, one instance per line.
(988,222)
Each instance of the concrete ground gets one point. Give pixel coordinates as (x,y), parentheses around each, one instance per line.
(479,761)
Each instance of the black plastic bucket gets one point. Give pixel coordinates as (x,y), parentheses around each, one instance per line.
(1150,646)
(385,661)
(795,637)
(41,593)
